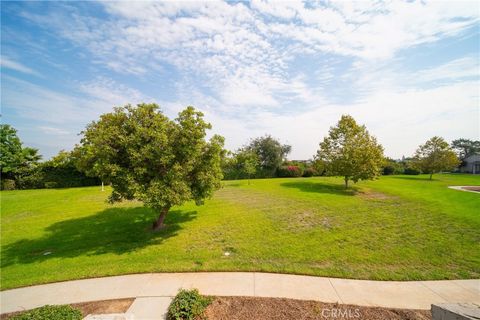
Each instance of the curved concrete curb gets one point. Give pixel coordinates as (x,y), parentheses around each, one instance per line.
(461,188)
(391,294)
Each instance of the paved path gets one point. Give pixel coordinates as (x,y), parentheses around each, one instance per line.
(461,188)
(392,294)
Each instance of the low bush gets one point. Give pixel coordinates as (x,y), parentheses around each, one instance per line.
(411,171)
(289,171)
(31,178)
(50,184)
(8,184)
(50,313)
(188,305)
(310,172)
(388,170)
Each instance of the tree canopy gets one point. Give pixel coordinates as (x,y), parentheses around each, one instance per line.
(351,152)
(466,147)
(148,157)
(13,155)
(247,161)
(435,156)
(270,152)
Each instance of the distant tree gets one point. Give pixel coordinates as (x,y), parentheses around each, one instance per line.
(148,157)
(435,156)
(466,147)
(14,158)
(351,152)
(270,152)
(392,166)
(247,162)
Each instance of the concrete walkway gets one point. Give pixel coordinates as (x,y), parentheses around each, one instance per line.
(391,294)
(462,188)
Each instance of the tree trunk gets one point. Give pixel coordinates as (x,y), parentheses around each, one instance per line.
(431,174)
(158,224)
(346,182)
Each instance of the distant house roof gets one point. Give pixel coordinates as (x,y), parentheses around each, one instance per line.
(472,158)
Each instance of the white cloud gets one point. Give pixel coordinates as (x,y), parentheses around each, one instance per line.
(53,131)
(245,57)
(8,63)
(240,52)
(401,120)
(112,93)
(467,67)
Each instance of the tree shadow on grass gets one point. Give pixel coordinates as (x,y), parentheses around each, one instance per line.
(308,186)
(114,230)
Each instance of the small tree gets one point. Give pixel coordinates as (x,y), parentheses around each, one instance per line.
(435,156)
(148,157)
(270,153)
(248,162)
(351,152)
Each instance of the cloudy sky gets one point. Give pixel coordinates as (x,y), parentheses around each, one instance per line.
(407,70)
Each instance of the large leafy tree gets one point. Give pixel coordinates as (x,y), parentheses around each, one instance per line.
(435,156)
(270,152)
(466,147)
(14,157)
(148,157)
(350,151)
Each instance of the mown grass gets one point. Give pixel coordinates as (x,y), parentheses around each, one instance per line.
(395,228)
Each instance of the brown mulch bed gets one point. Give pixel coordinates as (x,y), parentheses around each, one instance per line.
(473,188)
(245,308)
(93,307)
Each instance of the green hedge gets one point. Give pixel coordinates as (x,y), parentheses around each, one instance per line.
(46,176)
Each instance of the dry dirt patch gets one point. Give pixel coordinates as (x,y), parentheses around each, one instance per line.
(373,195)
(246,308)
(93,307)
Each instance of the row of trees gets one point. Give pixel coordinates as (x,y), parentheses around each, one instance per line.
(343,152)
(144,155)
(463,148)
(349,151)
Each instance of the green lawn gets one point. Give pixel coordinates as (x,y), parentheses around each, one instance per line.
(395,228)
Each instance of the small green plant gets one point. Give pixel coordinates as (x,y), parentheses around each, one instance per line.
(8,184)
(50,313)
(188,305)
(50,184)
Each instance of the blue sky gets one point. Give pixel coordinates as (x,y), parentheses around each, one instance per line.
(407,70)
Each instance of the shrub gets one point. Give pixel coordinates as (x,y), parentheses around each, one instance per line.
(8,184)
(411,171)
(309,172)
(388,170)
(50,184)
(188,305)
(50,313)
(31,178)
(289,171)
